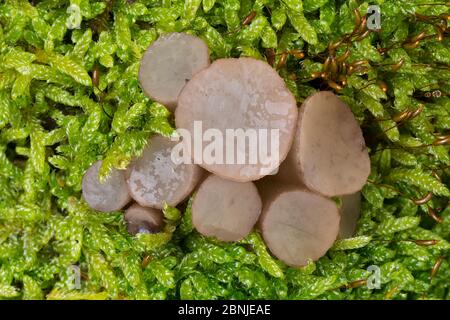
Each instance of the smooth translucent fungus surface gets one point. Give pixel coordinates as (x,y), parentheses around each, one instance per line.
(245,104)
(154,178)
(224,209)
(169,63)
(299,225)
(329,154)
(143,220)
(110,195)
(350,211)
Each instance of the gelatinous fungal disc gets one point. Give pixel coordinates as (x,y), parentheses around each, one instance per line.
(109,195)
(154,178)
(169,63)
(329,154)
(224,209)
(246,105)
(350,211)
(297,224)
(143,220)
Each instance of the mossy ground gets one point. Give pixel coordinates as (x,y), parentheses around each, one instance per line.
(70,96)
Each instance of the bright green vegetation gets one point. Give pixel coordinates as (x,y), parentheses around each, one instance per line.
(55,122)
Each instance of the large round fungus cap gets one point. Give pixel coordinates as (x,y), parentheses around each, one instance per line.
(224,209)
(245,104)
(329,154)
(110,195)
(350,212)
(154,178)
(143,220)
(169,63)
(298,225)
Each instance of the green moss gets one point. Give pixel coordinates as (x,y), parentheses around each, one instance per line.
(55,122)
